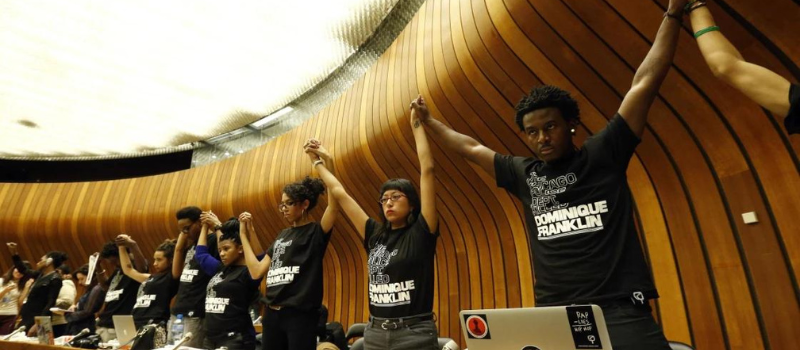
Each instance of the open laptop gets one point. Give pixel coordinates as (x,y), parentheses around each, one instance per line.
(575,327)
(125,328)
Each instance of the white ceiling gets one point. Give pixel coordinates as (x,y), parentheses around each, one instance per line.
(82,78)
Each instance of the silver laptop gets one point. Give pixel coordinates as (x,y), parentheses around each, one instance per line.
(575,327)
(125,328)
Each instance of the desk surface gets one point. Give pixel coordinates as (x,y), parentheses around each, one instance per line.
(8,345)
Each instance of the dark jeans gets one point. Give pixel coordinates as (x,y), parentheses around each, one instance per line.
(289,329)
(419,336)
(633,327)
(232,341)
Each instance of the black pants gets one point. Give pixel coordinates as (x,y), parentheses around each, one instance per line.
(633,327)
(232,341)
(289,329)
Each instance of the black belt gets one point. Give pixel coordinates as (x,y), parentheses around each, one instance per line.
(390,324)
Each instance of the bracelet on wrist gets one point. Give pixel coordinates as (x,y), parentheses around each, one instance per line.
(317,162)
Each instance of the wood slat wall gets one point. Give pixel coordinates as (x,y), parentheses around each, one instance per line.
(708,155)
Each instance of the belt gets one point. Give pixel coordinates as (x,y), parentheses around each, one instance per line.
(390,324)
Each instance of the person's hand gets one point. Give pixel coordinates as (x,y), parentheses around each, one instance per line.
(246,218)
(315,147)
(124,241)
(12,247)
(8,288)
(57,312)
(419,111)
(210,219)
(677,6)
(306,148)
(32,331)
(72,308)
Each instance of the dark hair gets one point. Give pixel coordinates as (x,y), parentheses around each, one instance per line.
(64,268)
(305,189)
(545,96)
(192,213)
(408,189)
(9,276)
(168,248)
(109,250)
(84,270)
(58,257)
(230,230)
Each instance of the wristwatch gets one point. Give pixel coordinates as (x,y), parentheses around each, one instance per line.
(217,228)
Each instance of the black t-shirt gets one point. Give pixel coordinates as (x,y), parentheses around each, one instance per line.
(400,265)
(228,297)
(152,301)
(191,298)
(120,298)
(579,218)
(792,121)
(295,273)
(41,297)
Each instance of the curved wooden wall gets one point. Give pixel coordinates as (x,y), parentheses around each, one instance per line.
(708,155)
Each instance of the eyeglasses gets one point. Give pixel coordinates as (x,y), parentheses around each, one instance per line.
(285,205)
(394,198)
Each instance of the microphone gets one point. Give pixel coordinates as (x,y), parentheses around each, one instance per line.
(186,337)
(20,329)
(82,334)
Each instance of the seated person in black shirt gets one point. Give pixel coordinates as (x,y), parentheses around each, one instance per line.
(156,289)
(230,291)
(400,248)
(760,84)
(293,266)
(578,206)
(43,293)
(82,313)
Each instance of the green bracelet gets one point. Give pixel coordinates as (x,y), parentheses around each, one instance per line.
(706,30)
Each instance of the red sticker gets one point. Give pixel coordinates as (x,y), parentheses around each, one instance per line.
(477,327)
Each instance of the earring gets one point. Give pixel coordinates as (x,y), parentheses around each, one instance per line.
(572,131)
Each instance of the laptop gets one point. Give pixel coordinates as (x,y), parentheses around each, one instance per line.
(125,328)
(574,327)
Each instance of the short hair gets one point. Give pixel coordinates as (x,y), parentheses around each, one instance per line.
(408,189)
(109,250)
(546,96)
(168,248)
(64,268)
(305,189)
(58,257)
(192,213)
(230,230)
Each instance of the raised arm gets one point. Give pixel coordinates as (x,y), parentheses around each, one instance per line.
(653,70)
(208,263)
(123,242)
(179,255)
(335,188)
(332,211)
(463,145)
(18,264)
(256,268)
(427,173)
(760,84)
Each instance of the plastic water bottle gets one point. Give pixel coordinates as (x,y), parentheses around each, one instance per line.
(177,329)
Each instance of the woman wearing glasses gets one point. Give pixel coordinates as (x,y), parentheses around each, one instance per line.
(293,267)
(401,249)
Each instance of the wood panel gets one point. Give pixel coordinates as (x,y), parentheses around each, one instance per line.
(707,156)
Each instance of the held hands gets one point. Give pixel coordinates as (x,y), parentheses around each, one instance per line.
(419,112)
(124,241)
(12,248)
(246,219)
(315,151)
(209,219)
(677,6)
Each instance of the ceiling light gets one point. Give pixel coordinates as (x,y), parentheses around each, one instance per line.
(272,117)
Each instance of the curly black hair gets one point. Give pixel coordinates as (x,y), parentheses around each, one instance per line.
(230,230)
(109,250)
(192,213)
(305,189)
(545,96)
(58,257)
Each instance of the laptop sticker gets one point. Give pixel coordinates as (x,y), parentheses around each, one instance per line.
(477,327)
(584,327)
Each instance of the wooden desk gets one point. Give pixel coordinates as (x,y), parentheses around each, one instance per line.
(8,345)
